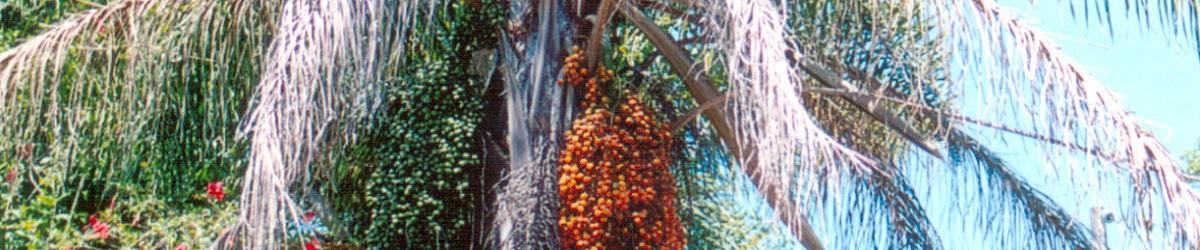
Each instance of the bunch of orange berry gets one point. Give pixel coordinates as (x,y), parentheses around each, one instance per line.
(576,74)
(654,220)
(615,189)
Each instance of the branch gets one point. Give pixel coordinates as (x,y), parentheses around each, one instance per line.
(703,91)
(872,108)
(594,44)
(691,115)
(931,112)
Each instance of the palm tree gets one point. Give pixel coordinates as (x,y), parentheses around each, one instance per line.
(820,106)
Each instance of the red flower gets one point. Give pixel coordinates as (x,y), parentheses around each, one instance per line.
(100,229)
(181,247)
(312,245)
(11,176)
(309,216)
(216,191)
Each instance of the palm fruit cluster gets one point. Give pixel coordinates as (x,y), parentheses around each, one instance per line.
(615,188)
(420,193)
(576,74)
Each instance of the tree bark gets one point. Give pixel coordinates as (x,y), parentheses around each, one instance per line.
(536,39)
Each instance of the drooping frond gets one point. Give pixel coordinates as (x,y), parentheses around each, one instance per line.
(106,74)
(101,98)
(22,19)
(539,111)
(319,73)
(41,59)
(909,225)
(1035,69)
(717,211)
(764,88)
(877,206)
(878,210)
(1045,224)
(1043,90)
(1177,18)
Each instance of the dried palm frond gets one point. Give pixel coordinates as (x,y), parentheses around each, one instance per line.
(319,76)
(764,89)
(106,73)
(41,59)
(118,95)
(1023,75)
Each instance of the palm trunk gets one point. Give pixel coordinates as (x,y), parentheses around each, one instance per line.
(539,111)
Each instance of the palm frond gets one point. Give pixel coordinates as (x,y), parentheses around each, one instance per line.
(1046,225)
(103,95)
(1049,93)
(1178,18)
(718,210)
(40,59)
(877,210)
(320,75)
(763,88)
(105,73)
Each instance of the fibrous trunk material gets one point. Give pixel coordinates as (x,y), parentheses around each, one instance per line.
(535,39)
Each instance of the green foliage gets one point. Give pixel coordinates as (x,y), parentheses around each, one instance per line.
(133,122)
(131,141)
(418,192)
(419,157)
(29,216)
(1191,165)
(719,214)
(1191,160)
(20,19)
(34,217)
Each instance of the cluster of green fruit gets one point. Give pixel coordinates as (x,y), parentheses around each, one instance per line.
(426,150)
(418,193)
